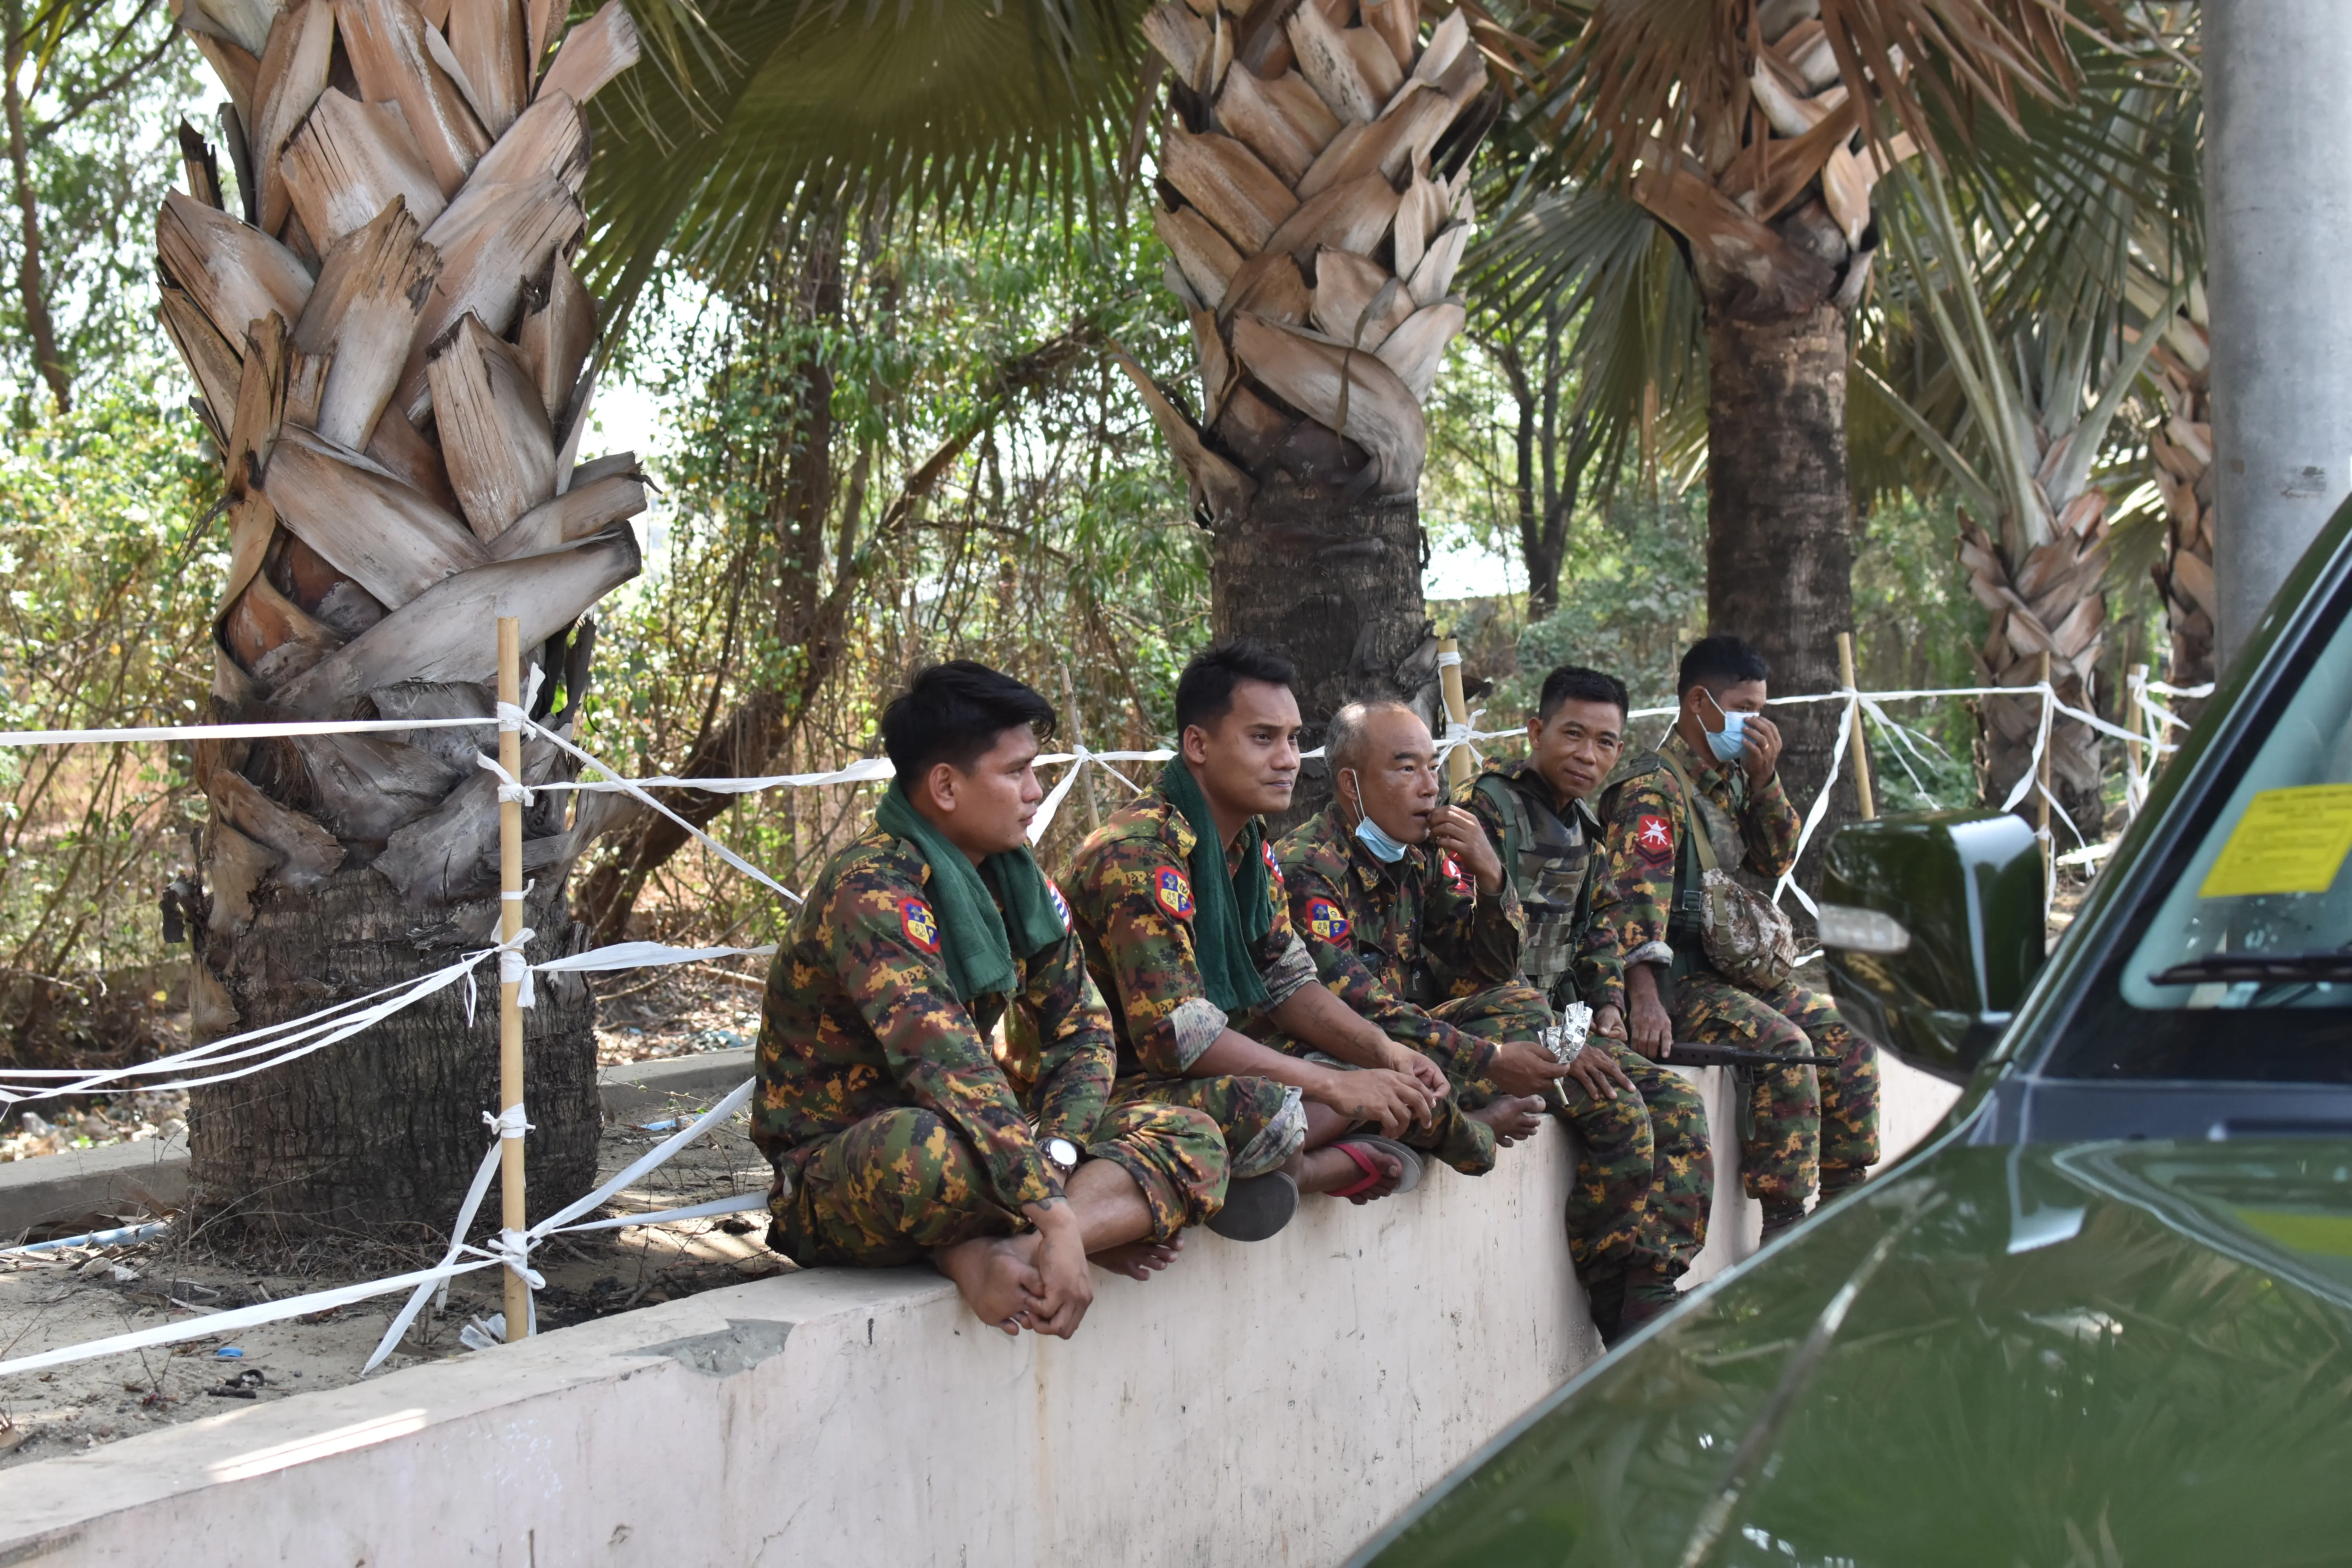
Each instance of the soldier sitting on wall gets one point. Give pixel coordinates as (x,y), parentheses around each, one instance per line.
(1720,760)
(1180,904)
(895,1133)
(1637,1215)
(1411,921)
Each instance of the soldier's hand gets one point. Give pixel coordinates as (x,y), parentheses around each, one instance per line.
(1598,1071)
(1419,1067)
(1762,752)
(1394,1099)
(1652,1030)
(1610,1022)
(1068,1289)
(1522,1066)
(1457,832)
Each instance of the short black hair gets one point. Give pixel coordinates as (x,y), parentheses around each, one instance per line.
(1204,692)
(953,713)
(1574,683)
(1720,661)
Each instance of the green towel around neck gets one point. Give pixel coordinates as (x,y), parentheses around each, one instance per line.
(979,935)
(1229,912)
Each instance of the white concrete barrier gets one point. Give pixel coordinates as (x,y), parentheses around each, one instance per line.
(1272,1404)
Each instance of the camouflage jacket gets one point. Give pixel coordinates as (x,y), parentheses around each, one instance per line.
(1555,871)
(860,1017)
(1391,940)
(1754,830)
(1131,901)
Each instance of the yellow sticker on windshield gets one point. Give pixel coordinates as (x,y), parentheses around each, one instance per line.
(2289,841)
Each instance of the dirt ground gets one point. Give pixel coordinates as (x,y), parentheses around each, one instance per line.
(56,1299)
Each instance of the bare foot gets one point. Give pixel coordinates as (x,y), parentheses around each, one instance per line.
(1512,1116)
(1328,1170)
(1138,1259)
(997,1276)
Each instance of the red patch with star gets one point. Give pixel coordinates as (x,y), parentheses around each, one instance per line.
(1324,919)
(1653,837)
(1455,873)
(1174,893)
(1061,904)
(922,928)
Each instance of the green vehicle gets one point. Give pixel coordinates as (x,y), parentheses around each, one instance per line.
(2104,1319)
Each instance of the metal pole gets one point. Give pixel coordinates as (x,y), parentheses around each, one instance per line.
(1459,765)
(513,1211)
(2278,203)
(1853,717)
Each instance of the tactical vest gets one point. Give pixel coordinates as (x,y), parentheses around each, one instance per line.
(1685,930)
(1546,857)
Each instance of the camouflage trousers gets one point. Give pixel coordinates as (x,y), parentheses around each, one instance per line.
(1805,1132)
(1644,1179)
(902,1183)
(1499,1012)
(1263,1122)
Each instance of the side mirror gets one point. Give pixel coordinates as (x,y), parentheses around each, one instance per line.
(1932,925)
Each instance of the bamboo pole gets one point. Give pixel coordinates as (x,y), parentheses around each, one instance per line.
(1078,739)
(1459,765)
(513,1212)
(2041,810)
(2135,771)
(1862,793)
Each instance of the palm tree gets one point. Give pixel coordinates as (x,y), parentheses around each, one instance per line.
(2180,448)
(1754,135)
(390,346)
(2036,398)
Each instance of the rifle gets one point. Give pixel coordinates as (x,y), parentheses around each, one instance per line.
(1695,1055)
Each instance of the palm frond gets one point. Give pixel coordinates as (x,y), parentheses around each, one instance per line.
(759,109)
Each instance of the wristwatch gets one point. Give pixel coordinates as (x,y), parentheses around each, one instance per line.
(1064,1153)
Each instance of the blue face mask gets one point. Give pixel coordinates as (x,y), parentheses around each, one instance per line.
(1385,850)
(1730,742)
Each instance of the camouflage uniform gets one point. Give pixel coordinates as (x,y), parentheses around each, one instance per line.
(893,1130)
(1798,1131)
(1131,904)
(1415,948)
(1643,1178)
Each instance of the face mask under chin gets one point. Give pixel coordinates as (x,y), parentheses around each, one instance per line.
(1385,850)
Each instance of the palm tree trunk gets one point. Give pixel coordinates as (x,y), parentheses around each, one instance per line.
(2182,447)
(1335,582)
(392,353)
(378,1139)
(1779,557)
(1315,208)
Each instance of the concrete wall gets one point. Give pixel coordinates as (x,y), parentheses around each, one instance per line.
(1273,1403)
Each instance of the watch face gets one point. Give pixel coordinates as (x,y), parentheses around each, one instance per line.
(1063,1153)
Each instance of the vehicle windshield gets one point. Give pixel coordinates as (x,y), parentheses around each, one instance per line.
(2254,916)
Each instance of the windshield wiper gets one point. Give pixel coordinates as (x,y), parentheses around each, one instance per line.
(2324,965)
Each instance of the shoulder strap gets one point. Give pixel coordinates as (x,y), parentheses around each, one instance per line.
(1702,840)
(1515,821)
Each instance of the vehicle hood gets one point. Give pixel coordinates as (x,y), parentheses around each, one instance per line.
(2086,1356)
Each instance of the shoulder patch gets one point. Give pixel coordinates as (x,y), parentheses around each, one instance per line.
(922,928)
(1452,870)
(1061,904)
(1265,853)
(1174,893)
(1324,919)
(1654,838)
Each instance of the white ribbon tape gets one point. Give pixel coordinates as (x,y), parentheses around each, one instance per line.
(507,1123)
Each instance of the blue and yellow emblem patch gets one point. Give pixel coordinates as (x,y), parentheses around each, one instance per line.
(1324,919)
(1174,893)
(922,927)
